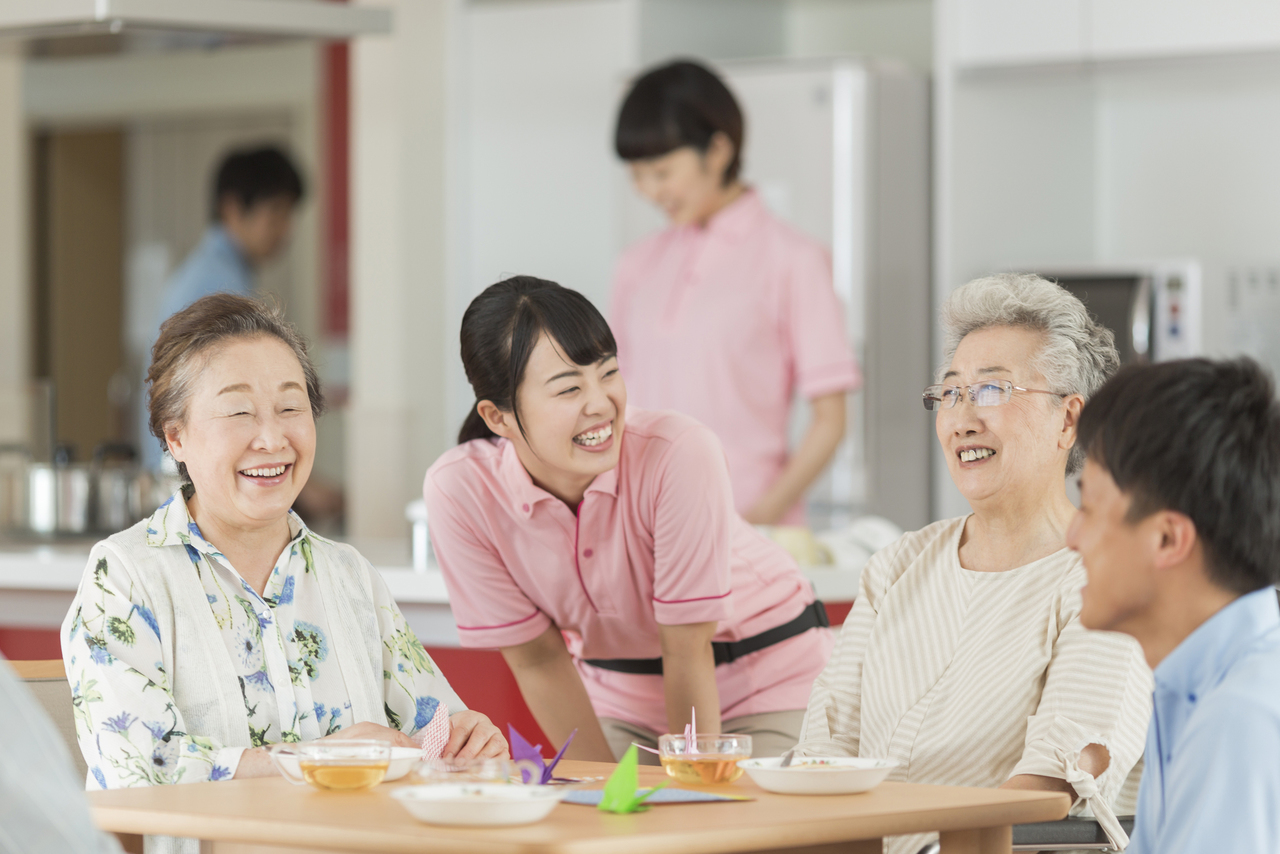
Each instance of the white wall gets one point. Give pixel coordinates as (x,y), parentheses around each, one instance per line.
(399,337)
(541,85)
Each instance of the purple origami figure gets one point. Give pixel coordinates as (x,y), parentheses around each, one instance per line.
(522,749)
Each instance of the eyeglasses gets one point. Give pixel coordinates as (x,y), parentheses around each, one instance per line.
(985,393)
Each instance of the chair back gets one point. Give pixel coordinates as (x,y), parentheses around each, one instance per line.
(47,680)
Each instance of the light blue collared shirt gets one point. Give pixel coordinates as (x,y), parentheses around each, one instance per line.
(215,266)
(1212,776)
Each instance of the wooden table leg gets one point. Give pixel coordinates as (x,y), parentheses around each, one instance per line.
(986,840)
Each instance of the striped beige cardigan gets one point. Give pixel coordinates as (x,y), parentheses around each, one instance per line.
(969,678)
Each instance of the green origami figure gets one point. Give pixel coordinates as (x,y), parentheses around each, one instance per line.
(621,792)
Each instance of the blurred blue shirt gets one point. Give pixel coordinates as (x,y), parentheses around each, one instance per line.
(216,265)
(1212,776)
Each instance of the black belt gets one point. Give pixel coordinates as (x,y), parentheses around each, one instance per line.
(812,617)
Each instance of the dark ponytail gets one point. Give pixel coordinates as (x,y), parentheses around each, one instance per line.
(502,326)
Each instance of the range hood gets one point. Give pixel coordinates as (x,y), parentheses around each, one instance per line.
(111,25)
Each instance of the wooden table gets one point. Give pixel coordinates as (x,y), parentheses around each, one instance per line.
(271,815)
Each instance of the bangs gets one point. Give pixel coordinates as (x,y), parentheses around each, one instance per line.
(570,319)
(645,131)
(581,332)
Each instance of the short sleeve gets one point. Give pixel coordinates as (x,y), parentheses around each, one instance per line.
(692,522)
(489,607)
(824,363)
(1097,691)
(1097,687)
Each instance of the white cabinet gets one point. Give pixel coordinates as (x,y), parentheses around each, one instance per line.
(1006,33)
(1014,32)
(1124,29)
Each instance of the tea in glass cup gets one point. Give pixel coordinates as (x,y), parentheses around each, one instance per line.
(334,764)
(712,759)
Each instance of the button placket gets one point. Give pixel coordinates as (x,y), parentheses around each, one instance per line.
(586,565)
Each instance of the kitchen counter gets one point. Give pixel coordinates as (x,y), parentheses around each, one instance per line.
(38,582)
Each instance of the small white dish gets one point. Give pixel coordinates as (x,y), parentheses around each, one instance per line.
(402,760)
(818,775)
(482,804)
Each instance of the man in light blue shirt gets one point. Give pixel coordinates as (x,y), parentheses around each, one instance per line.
(1179,529)
(43,809)
(255,193)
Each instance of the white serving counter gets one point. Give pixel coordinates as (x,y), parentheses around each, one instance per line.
(37,583)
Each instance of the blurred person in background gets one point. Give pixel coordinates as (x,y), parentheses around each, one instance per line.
(728,287)
(963,658)
(43,809)
(1179,528)
(255,193)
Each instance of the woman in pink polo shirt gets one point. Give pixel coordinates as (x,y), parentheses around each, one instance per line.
(598,548)
(731,289)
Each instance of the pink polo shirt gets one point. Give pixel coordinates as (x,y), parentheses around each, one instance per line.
(655,542)
(727,323)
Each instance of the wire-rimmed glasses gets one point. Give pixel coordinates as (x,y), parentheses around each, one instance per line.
(985,393)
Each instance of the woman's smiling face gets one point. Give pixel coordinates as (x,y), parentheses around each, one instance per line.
(573,417)
(1015,444)
(248,439)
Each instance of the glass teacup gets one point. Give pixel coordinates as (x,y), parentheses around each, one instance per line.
(713,759)
(334,764)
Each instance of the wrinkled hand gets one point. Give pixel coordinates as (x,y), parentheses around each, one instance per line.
(473,735)
(368,729)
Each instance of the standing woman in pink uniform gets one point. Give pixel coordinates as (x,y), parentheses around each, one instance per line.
(728,288)
(598,548)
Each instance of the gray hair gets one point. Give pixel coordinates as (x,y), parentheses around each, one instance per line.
(1078,355)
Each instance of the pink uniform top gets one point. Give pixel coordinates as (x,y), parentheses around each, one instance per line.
(727,323)
(655,542)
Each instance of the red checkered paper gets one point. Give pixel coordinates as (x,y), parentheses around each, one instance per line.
(433,737)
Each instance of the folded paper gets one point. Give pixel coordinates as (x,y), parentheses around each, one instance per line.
(622,792)
(532,753)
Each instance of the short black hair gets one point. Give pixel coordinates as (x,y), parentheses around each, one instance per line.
(1201,438)
(679,104)
(251,175)
(502,326)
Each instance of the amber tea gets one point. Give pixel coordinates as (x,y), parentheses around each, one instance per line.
(345,777)
(704,768)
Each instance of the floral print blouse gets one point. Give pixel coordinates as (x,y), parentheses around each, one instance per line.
(130,728)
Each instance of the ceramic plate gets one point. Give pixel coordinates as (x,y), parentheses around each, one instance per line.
(827,775)
(483,804)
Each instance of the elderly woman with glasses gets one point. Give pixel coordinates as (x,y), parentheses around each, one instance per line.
(964,659)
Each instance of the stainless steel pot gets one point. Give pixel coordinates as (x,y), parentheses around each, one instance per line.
(58,497)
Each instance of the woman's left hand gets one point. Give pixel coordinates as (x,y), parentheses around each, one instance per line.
(472,735)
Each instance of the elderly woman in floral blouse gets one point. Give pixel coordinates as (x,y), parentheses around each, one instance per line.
(222,625)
